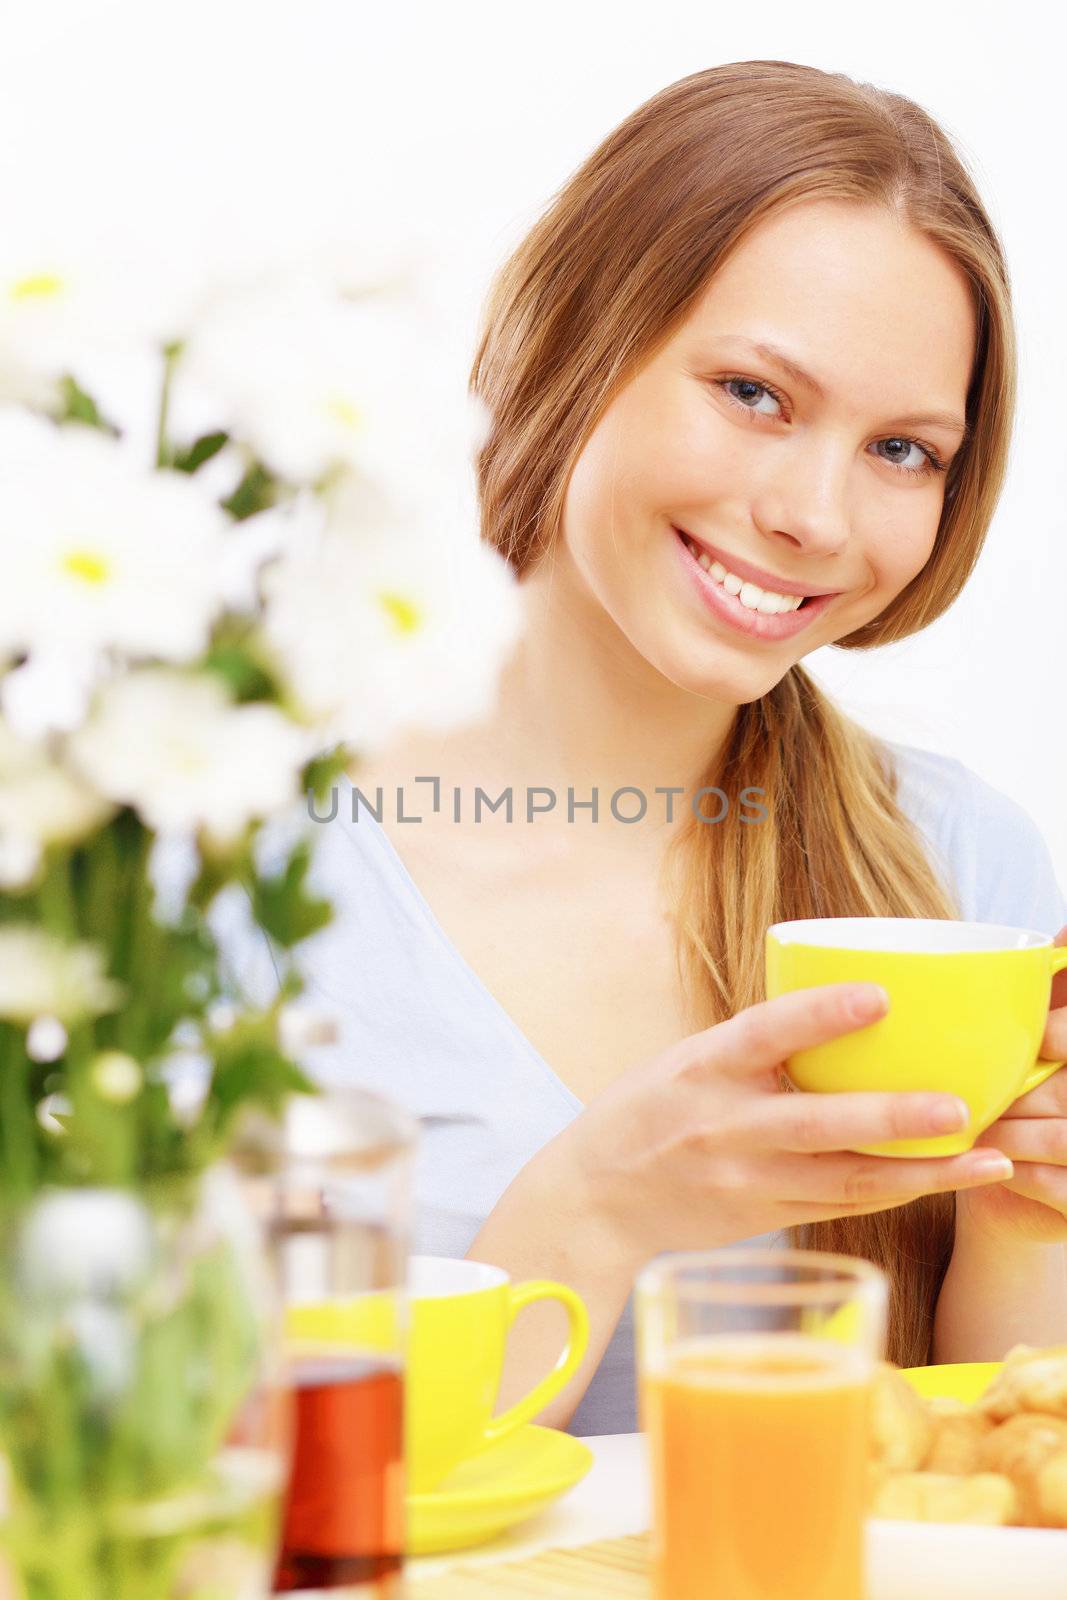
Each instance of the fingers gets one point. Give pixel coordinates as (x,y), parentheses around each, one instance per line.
(1047,1184)
(1054,1042)
(848,1183)
(760,1037)
(1049,1099)
(1041,1139)
(824,1122)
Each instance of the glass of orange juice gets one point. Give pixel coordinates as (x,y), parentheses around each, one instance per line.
(755,1369)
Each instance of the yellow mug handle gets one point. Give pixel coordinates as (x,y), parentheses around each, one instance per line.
(523,1294)
(1044,1069)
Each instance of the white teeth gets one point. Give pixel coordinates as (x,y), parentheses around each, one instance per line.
(767,601)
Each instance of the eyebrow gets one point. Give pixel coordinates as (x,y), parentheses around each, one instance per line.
(773,352)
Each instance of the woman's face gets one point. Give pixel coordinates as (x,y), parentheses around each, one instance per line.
(830,487)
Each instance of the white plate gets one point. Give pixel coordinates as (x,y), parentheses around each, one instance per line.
(951,1561)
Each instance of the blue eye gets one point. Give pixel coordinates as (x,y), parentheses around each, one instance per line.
(932,461)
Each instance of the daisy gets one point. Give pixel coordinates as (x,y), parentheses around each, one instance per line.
(178,749)
(43,976)
(312,379)
(41,803)
(99,552)
(379,630)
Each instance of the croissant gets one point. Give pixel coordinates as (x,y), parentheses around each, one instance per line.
(1030,1380)
(1022,1448)
(902,1428)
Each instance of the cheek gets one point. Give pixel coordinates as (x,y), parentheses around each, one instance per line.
(639,470)
(589,491)
(902,550)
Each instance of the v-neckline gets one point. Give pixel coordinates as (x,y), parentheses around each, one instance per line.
(396,864)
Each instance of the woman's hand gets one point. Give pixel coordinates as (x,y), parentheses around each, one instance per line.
(700,1146)
(1032,1206)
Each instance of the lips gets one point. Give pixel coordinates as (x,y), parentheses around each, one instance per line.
(727,610)
(753,574)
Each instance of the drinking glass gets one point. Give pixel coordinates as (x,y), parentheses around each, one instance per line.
(755,1368)
(335,1188)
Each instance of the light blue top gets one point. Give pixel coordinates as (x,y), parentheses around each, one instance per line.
(417,1023)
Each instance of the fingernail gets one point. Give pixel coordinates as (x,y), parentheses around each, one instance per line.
(988,1164)
(867,1000)
(948,1116)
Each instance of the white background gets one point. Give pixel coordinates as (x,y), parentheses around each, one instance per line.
(170,126)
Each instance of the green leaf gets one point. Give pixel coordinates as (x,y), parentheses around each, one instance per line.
(320,773)
(281,904)
(201,450)
(78,406)
(215,873)
(242,671)
(256,491)
(250,1069)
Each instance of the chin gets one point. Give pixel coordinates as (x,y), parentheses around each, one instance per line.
(705,672)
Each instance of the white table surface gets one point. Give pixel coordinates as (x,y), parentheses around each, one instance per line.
(906,1560)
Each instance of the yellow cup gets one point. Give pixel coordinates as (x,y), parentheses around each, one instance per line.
(968,1005)
(459,1316)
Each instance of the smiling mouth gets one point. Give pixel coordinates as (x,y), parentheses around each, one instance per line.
(721,575)
(779,622)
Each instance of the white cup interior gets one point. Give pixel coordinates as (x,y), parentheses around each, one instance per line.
(906,933)
(430,1277)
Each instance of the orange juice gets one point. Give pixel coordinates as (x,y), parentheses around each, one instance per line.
(758,1447)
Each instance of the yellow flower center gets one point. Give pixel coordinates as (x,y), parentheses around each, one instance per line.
(405,613)
(85,564)
(348,414)
(38,286)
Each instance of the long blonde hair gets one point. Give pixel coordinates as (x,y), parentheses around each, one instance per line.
(601,281)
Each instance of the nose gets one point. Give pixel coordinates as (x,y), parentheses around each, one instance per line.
(806,499)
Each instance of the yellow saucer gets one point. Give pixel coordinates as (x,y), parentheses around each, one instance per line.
(963,1380)
(494,1489)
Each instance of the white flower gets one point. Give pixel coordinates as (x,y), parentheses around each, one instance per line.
(99,552)
(46,310)
(42,976)
(50,692)
(116,1076)
(312,379)
(258,539)
(41,803)
(379,630)
(46,1039)
(69,311)
(20,862)
(83,1245)
(179,750)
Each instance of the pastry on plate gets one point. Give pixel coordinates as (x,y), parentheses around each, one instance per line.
(959,1433)
(981,1497)
(1026,1448)
(902,1428)
(1029,1380)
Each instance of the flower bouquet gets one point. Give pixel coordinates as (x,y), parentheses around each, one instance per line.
(228,571)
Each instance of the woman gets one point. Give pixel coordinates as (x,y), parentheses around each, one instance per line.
(759,347)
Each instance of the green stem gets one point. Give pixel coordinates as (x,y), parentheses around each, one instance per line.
(18,1131)
(170,357)
(54,899)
